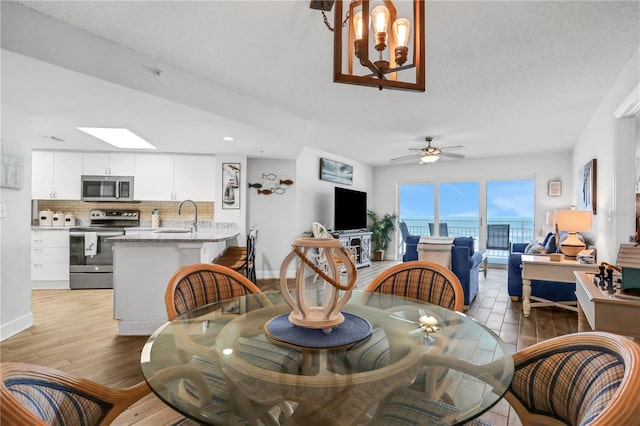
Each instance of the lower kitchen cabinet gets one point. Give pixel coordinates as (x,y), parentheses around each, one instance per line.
(50,258)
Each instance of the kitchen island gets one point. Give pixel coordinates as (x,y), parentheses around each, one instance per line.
(143,264)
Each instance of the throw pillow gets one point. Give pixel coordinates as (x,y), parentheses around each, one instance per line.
(534,248)
(550,246)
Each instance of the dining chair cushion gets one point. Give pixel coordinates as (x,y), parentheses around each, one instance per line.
(571,385)
(57,404)
(371,354)
(260,353)
(410,408)
(421,280)
(368,355)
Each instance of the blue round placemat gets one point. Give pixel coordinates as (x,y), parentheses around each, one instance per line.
(352,330)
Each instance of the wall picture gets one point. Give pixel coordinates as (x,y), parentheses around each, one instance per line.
(230,185)
(11,166)
(333,171)
(587,186)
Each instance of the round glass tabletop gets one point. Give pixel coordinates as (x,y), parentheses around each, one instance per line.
(220,364)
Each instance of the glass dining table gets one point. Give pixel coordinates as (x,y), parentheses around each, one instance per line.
(222,364)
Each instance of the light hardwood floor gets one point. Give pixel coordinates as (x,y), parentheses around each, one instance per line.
(74,331)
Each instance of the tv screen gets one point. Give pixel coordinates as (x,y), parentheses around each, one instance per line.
(350,209)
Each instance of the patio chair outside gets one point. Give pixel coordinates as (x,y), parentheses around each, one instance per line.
(498,237)
(443,228)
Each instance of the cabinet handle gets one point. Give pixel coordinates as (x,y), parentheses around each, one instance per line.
(37,265)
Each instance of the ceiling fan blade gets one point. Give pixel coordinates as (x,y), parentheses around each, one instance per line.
(406,157)
(416,149)
(451,147)
(452,155)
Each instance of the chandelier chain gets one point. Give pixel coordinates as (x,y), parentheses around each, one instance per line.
(326,21)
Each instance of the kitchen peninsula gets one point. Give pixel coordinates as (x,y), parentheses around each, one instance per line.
(143,264)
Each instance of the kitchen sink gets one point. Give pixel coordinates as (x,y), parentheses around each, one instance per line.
(172,231)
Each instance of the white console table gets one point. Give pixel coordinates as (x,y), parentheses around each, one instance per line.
(361,241)
(543,268)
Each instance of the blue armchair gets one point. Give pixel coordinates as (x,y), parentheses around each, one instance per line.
(544,289)
(465,262)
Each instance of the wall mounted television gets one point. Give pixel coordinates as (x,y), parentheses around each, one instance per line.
(350,209)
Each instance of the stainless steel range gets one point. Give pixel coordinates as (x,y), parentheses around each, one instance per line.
(90,251)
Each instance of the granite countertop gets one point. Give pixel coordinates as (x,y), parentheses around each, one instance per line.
(166,235)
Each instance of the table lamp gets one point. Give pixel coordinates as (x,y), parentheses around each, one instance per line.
(573,221)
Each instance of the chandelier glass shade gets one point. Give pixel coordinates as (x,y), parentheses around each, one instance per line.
(380,48)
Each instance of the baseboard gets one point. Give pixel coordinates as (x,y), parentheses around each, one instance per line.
(15,326)
(50,285)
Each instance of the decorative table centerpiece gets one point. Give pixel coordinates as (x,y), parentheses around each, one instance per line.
(309,310)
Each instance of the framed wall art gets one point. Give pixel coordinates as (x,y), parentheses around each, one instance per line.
(334,171)
(554,188)
(587,186)
(11,166)
(230,185)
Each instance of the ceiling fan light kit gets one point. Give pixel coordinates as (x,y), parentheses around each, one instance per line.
(430,154)
(381,54)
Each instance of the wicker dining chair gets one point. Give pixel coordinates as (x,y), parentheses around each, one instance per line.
(421,280)
(588,378)
(199,284)
(196,285)
(37,395)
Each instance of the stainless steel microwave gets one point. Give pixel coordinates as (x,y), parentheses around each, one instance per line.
(107,188)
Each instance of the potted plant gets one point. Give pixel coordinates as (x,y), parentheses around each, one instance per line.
(381,228)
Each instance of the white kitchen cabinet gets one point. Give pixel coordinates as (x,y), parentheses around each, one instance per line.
(50,257)
(153,177)
(108,163)
(193,177)
(56,175)
(165,177)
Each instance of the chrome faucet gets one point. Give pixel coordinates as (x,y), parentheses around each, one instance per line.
(194,226)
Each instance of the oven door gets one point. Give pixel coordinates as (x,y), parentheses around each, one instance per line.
(91,271)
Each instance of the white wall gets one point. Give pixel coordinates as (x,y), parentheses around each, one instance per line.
(314,201)
(15,232)
(612,142)
(275,214)
(542,168)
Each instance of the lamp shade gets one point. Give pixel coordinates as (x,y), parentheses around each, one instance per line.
(573,220)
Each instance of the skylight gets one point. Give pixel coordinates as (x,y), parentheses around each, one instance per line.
(120,138)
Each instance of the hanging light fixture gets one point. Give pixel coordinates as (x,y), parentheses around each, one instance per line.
(429,158)
(380,41)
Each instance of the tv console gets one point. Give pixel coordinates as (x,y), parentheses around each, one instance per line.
(361,241)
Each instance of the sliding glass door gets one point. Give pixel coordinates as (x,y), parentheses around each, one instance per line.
(459,210)
(495,213)
(510,214)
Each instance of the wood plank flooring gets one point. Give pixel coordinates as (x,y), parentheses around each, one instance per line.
(74,331)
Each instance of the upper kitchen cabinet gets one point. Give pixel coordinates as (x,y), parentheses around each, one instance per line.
(56,175)
(153,177)
(108,163)
(193,177)
(166,177)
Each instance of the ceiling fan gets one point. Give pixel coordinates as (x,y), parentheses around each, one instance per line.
(430,154)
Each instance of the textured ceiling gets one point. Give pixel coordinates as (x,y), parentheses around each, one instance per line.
(503,78)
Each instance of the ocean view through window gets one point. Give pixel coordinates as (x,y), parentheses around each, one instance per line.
(459,206)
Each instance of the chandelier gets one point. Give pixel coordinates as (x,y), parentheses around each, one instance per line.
(372,43)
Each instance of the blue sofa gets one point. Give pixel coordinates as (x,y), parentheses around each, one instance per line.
(465,262)
(544,289)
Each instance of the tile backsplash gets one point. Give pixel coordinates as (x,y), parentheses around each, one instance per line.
(168,209)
